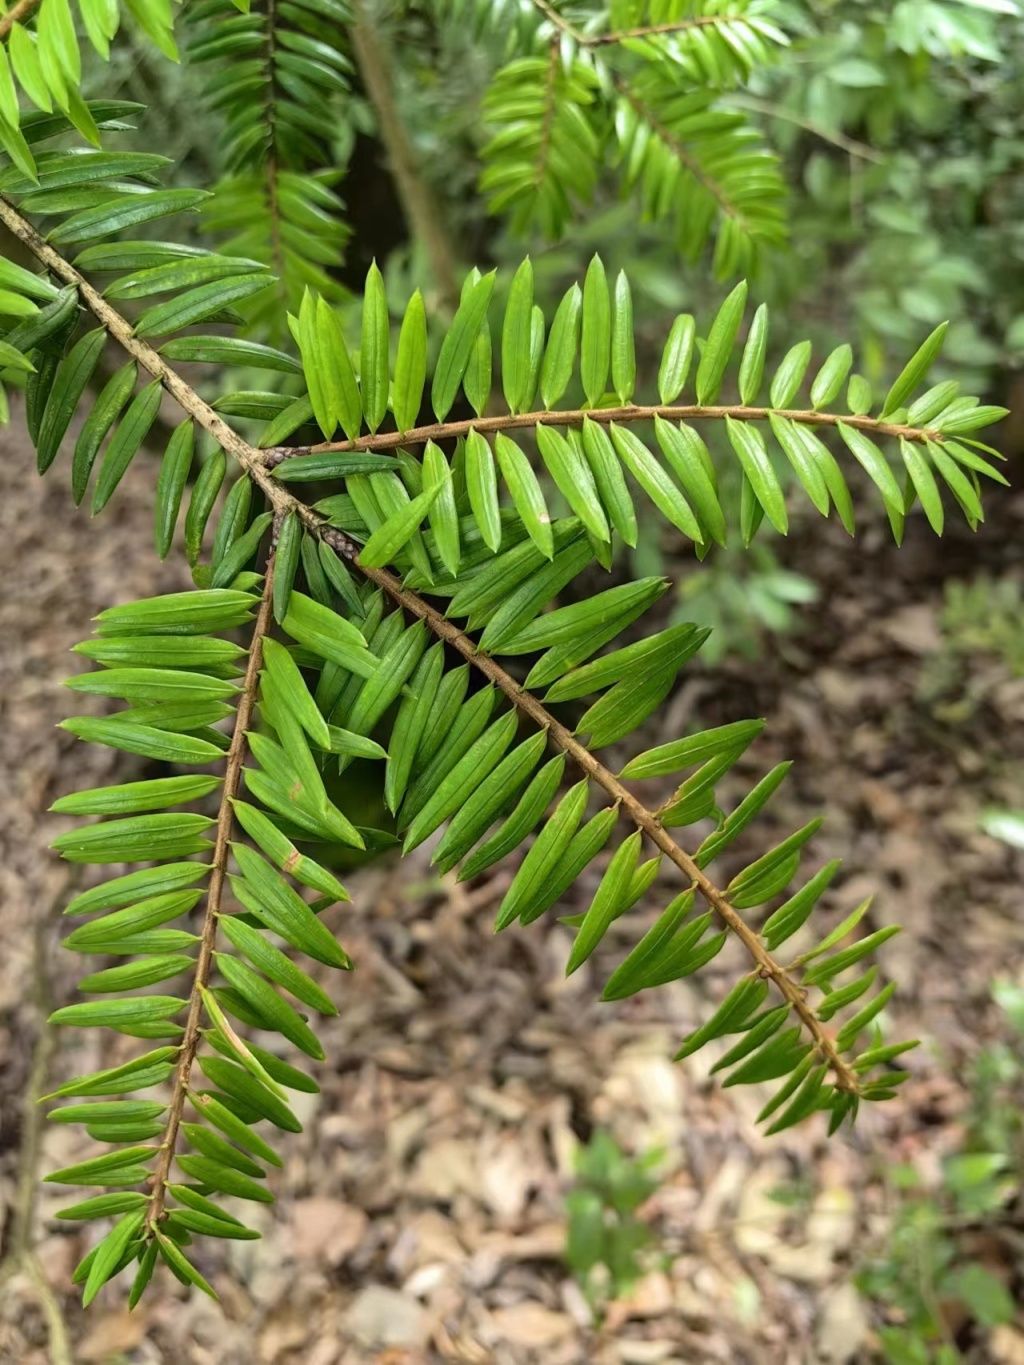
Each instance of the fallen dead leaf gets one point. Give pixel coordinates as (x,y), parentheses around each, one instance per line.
(326,1229)
(445,1169)
(529,1324)
(843,1325)
(112,1335)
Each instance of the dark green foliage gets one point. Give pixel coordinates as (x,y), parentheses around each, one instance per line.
(640,89)
(277,78)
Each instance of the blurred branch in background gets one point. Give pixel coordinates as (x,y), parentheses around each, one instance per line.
(422,212)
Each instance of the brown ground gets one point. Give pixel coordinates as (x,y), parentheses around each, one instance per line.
(420,1215)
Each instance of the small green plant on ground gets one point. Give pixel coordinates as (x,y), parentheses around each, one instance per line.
(982,624)
(605,1239)
(939,1279)
(985,615)
(745,599)
(982,643)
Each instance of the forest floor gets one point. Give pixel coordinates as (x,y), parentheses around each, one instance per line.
(421,1215)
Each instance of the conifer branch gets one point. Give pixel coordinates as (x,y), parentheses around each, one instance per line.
(283,502)
(16,15)
(271,167)
(259,463)
(208,933)
(653,30)
(401,597)
(809,1050)
(120,329)
(573,417)
(608,39)
(561,737)
(680,151)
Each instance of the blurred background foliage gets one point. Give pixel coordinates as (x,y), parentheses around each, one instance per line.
(899,128)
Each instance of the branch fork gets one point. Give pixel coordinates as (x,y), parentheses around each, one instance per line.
(257,464)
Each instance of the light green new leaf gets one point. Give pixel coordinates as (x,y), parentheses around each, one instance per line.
(749,446)
(676,358)
(143,739)
(151,794)
(482,489)
(280,849)
(574,480)
(180,1263)
(516,331)
(527,494)
(691,463)
(473,767)
(719,345)
(410,364)
(109,1253)
(104,1013)
(268,896)
(606,469)
(328,635)
(655,482)
(374,349)
(457,347)
(694,749)
(790,375)
(490,799)
(394,533)
(277,965)
(562,346)
(752,361)
(444,515)
(924,483)
(544,857)
(914,370)
(595,346)
(179,613)
(330,378)
(608,901)
(286,673)
(623,346)
(270,1006)
(871,459)
(736,1009)
(831,377)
